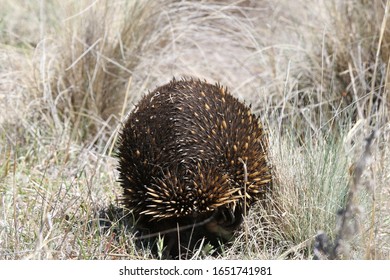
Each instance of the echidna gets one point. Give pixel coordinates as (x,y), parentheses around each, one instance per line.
(191,157)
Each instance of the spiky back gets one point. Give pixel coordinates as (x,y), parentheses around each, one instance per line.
(182,152)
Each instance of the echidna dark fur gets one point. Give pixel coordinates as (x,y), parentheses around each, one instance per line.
(191,157)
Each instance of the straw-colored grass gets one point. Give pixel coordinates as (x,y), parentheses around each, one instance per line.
(317,72)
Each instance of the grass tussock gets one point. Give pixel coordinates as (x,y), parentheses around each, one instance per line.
(317,76)
(88,78)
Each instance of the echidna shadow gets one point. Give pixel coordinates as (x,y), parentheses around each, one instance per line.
(191,158)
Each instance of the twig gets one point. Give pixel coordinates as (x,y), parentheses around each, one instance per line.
(323,249)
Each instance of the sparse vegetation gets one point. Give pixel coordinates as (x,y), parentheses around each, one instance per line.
(317,72)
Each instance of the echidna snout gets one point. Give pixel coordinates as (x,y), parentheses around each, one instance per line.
(190,156)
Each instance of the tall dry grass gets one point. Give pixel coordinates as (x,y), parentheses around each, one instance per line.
(316,72)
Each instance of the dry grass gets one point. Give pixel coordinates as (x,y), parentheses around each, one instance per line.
(70,71)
